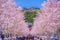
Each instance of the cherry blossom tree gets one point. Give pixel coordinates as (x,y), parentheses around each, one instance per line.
(12,18)
(49,20)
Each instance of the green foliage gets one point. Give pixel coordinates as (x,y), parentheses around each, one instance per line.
(29,15)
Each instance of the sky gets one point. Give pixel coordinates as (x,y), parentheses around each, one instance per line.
(29,3)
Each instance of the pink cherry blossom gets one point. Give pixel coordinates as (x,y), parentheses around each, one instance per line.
(49,20)
(12,18)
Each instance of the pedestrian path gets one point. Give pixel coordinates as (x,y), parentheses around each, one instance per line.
(43,38)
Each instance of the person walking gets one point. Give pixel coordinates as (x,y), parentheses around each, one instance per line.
(23,38)
(40,38)
(17,38)
(32,38)
(2,36)
(35,38)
